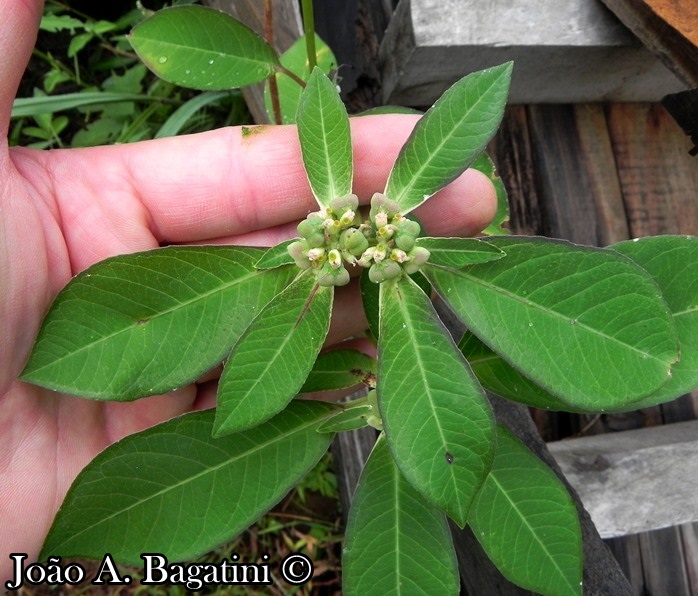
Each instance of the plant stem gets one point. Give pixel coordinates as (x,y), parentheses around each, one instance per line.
(273,86)
(309,30)
(290,74)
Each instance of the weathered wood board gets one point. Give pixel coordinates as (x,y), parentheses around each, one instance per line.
(636,480)
(669,28)
(571,51)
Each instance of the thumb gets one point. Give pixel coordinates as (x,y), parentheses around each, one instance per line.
(19,23)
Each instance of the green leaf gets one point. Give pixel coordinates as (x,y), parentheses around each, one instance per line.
(276,256)
(497,376)
(202,48)
(355,415)
(183,114)
(485,165)
(453,132)
(437,420)
(673,263)
(323,129)
(395,542)
(175,489)
(586,324)
(274,356)
(459,252)
(339,369)
(527,522)
(295,59)
(25,107)
(146,323)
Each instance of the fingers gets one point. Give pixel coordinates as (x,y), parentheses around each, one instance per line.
(20,20)
(233,183)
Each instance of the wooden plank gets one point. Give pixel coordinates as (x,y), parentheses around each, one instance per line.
(630,481)
(689,540)
(626,550)
(586,52)
(663,562)
(669,28)
(659,181)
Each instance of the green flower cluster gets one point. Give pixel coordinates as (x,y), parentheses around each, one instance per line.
(335,237)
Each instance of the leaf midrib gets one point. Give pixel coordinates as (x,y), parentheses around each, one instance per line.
(229,461)
(168,311)
(554,314)
(427,162)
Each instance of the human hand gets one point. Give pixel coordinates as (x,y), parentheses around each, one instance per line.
(64,210)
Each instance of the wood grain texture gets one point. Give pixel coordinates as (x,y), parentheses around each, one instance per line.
(669,28)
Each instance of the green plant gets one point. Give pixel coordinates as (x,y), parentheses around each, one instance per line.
(113,97)
(551,324)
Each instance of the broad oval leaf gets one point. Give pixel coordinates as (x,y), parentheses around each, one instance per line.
(295,59)
(484,164)
(586,324)
(272,359)
(202,48)
(436,418)
(395,542)
(673,263)
(175,489)
(323,130)
(459,252)
(527,523)
(453,132)
(146,323)
(339,369)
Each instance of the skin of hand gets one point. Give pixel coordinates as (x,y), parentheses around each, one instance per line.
(64,210)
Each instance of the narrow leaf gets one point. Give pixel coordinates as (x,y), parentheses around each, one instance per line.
(323,129)
(673,263)
(24,107)
(274,356)
(453,132)
(527,522)
(183,114)
(276,256)
(586,324)
(437,420)
(351,418)
(295,59)
(202,48)
(175,489)
(395,542)
(497,227)
(459,252)
(339,369)
(146,323)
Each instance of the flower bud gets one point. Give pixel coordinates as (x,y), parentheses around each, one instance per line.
(297,251)
(399,256)
(334,258)
(311,229)
(383,271)
(348,202)
(418,257)
(353,241)
(367,256)
(328,276)
(316,254)
(380,253)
